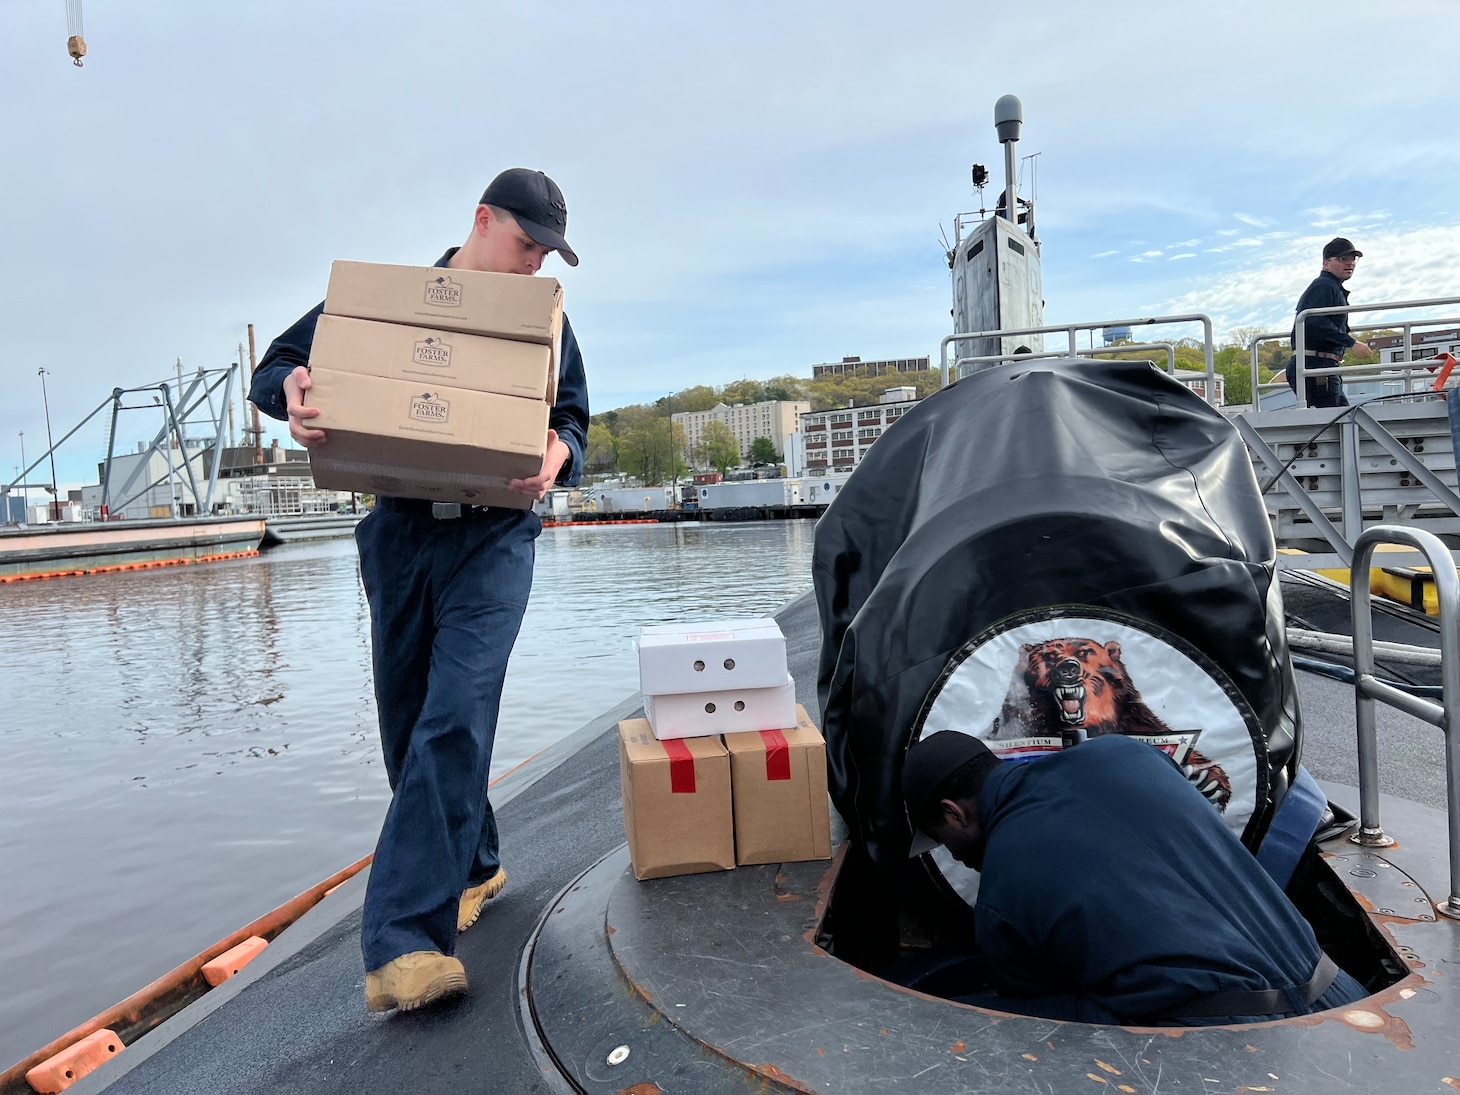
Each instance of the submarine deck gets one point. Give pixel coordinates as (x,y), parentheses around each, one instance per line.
(294,1020)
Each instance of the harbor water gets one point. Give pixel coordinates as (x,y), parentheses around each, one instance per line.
(181,750)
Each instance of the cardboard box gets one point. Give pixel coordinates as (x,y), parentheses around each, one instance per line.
(435,358)
(711,656)
(677,813)
(778,778)
(698,714)
(473,302)
(409,441)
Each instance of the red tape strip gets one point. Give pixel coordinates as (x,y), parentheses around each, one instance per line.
(777,755)
(681,767)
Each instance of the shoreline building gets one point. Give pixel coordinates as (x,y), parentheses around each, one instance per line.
(1423,345)
(874,368)
(777,419)
(836,440)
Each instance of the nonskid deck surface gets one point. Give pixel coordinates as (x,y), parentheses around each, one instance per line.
(723,968)
(297,1022)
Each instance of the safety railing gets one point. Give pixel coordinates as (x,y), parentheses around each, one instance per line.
(1406,371)
(1071,330)
(1300,341)
(1368,688)
(1120,348)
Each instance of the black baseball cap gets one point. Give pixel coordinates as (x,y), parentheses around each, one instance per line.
(537,204)
(1338,247)
(927,766)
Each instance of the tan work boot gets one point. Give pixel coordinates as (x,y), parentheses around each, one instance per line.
(414,980)
(473,899)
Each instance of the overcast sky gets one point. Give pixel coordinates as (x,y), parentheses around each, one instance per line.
(752,187)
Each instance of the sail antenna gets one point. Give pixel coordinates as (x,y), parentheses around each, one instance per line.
(1008,118)
(75,38)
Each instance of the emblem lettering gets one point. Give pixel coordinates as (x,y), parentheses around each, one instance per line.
(432,351)
(429,407)
(443,292)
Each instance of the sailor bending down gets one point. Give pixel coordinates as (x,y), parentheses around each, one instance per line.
(1110,890)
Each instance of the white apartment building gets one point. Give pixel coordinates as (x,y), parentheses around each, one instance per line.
(778,420)
(836,441)
(1423,345)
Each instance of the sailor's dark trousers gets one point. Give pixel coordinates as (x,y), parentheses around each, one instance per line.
(446,602)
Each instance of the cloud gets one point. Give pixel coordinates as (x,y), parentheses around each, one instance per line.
(1413,263)
(1255,222)
(1183,255)
(1105,254)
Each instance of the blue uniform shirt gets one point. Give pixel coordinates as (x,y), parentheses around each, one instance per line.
(569,416)
(1108,878)
(1326,333)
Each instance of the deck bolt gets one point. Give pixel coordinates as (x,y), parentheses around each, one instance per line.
(618,1055)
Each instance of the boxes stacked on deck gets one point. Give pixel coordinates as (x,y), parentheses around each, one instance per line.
(434,383)
(694,801)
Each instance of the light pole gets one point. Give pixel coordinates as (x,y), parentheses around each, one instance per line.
(49,443)
(673,457)
(24,475)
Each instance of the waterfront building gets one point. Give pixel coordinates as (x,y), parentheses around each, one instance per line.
(271,481)
(872,368)
(836,440)
(1196,380)
(777,419)
(1423,345)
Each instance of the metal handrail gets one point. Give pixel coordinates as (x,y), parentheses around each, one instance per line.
(1404,369)
(1368,688)
(1300,335)
(1169,347)
(1072,329)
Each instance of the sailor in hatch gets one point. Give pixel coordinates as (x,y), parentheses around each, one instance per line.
(1164,917)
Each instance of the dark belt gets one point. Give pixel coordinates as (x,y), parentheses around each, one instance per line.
(1256,1001)
(1323,353)
(441,511)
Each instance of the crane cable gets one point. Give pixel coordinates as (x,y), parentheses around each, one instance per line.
(75,39)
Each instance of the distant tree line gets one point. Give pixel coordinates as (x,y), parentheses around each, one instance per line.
(639,440)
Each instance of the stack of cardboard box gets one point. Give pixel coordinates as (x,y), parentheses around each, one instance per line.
(434,383)
(696,802)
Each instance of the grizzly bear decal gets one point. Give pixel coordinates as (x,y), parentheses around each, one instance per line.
(1063,685)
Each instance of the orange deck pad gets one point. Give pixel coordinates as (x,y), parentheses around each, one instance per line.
(74,1062)
(220,969)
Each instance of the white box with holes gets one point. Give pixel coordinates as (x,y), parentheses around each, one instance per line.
(711,656)
(700,714)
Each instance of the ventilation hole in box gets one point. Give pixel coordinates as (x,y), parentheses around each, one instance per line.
(699,667)
(709,708)
(729,663)
(740,705)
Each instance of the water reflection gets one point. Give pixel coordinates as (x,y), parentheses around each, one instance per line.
(183,749)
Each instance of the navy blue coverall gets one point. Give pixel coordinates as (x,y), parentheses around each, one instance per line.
(1322,335)
(1111,892)
(446,602)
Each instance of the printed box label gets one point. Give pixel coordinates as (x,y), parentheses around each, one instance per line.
(432,351)
(430,407)
(443,292)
